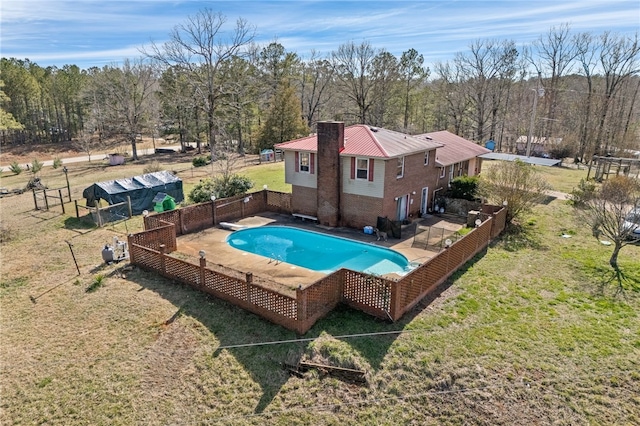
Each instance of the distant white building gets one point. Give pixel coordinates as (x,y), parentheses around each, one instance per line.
(540,145)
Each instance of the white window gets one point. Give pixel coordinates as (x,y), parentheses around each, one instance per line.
(400,171)
(305,161)
(451,172)
(442,169)
(362,168)
(426,158)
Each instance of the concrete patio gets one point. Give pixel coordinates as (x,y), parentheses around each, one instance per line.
(213,242)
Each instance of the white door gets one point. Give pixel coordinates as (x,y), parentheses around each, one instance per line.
(402,206)
(424,201)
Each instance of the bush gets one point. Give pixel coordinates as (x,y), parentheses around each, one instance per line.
(464,187)
(152,167)
(57,162)
(199,161)
(221,186)
(36,166)
(585,191)
(15,168)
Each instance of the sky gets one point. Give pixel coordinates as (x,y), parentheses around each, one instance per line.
(97,33)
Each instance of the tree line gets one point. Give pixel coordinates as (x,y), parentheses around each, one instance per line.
(219,90)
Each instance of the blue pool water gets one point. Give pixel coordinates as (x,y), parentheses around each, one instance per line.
(316,251)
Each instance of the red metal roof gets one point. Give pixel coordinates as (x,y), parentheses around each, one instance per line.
(366,141)
(454,148)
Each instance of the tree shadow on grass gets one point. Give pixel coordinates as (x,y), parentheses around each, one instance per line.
(620,279)
(519,236)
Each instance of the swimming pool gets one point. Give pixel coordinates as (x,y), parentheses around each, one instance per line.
(316,251)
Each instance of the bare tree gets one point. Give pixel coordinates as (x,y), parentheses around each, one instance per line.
(619,61)
(125,95)
(488,70)
(450,88)
(518,184)
(605,211)
(316,77)
(200,46)
(552,55)
(353,67)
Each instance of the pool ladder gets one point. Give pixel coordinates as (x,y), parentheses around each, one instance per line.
(274,258)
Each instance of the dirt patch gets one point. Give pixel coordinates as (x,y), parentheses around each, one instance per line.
(43,152)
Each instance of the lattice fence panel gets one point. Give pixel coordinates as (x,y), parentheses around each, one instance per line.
(323,295)
(414,285)
(145,258)
(436,270)
(196,217)
(229,209)
(368,292)
(278,202)
(220,283)
(153,238)
(462,250)
(172,216)
(273,302)
(484,233)
(182,271)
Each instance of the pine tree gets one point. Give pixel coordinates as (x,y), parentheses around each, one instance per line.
(284,119)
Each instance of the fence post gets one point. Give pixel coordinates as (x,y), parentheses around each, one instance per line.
(203,264)
(129,205)
(249,278)
(301,301)
(396,307)
(183,230)
(77,211)
(46,201)
(163,268)
(35,200)
(98,212)
(61,200)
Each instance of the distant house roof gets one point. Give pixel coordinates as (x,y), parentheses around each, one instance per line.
(530,160)
(454,148)
(541,140)
(366,141)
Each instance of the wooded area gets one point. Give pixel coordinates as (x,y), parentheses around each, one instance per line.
(218,88)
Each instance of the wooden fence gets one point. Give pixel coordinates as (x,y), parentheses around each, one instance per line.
(45,198)
(377,296)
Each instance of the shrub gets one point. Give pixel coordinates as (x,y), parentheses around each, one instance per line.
(464,187)
(15,168)
(98,281)
(153,167)
(36,166)
(221,186)
(57,162)
(199,161)
(585,191)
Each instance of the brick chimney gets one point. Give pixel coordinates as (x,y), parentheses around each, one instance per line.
(330,143)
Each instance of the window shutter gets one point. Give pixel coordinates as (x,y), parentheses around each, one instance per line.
(297,161)
(371,169)
(353,167)
(312,163)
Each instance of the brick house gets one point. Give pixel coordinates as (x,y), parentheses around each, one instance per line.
(351,176)
(455,157)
